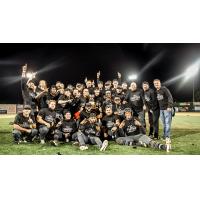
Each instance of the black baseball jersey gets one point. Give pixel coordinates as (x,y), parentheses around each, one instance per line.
(48,115)
(109,121)
(24,122)
(90,129)
(42,101)
(68,126)
(28,94)
(130,128)
(135,99)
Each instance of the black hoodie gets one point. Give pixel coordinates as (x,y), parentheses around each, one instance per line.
(165,98)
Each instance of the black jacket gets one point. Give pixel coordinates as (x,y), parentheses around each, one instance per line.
(165,98)
(150,98)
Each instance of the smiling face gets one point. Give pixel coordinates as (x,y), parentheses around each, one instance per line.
(43,84)
(108,111)
(68,116)
(53,90)
(26,112)
(117,100)
(124,86)
(31,85)
(108,94)
(115,84)
(52,105)
(67,93)
(85,92)
(89,84)
(133,86)
(145,86)
(92,120)
(128,115)
(96,92)
(157,84)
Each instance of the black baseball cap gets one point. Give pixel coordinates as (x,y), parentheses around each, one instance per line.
(27,107)
(88,104)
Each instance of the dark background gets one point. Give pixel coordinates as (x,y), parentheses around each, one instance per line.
(71,63)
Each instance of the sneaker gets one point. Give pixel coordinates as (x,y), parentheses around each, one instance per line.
(168,144)
(42,142)
(18,142)
(24,140)
(76,143)
(151,136)
(156,137)
(142,144)
(104,145)
(67,140)
(55,143)
(82,148)
(34,138)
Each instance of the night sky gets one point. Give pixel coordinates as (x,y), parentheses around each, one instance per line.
(71,63)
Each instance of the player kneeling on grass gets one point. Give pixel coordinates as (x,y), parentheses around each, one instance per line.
(67,128)
(110,123)
(133,133)
(89,132)
(47,118)
(24,126)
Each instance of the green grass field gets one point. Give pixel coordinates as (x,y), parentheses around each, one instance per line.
(185,141)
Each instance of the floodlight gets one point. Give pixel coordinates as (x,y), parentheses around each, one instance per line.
(133,77)
(191,71)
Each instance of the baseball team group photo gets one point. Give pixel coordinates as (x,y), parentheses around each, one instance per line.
(100,99)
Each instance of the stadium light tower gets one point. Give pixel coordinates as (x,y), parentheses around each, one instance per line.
(133,77)
(191,72)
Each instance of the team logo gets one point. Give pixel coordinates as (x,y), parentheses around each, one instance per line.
(90,131)
(26,125)
(147,98)
(67,129)
(135,98)
(110,124)
(131,128)
(49,118)
(160,97)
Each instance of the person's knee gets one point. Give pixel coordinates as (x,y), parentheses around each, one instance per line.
(74,136)
(58,134)
(145,139)
(44,130)
(120,141)
(16,135)
(34,132)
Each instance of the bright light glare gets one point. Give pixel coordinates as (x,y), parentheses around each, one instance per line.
(191,71)
(29,75)
(132,77)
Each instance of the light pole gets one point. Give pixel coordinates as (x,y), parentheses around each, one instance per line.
(193,100)
(191,72)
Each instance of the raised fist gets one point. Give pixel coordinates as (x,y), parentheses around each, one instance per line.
(24,68)
(119,75)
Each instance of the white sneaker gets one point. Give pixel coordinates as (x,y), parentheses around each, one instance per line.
(67,140)
(168,144)
(55,143)
(76,143)
(104,145)
(82,148)
(142,144)
(42,142)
